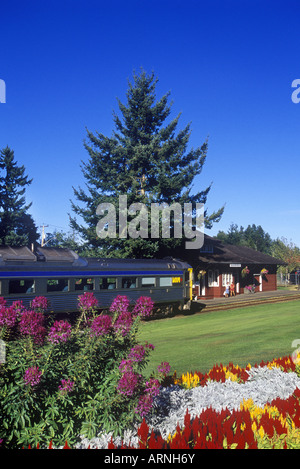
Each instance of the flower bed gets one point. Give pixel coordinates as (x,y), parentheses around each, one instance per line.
(59,382)
(275,425)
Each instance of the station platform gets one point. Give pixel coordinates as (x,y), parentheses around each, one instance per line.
(244,299)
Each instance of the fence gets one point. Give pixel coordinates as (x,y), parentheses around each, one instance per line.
(288,280)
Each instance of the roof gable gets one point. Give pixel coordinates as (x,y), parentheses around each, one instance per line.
(216,252)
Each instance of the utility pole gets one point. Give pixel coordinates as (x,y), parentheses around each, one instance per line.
(43,234)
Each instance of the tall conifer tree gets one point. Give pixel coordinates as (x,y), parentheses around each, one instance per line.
(145,160)
(16,225)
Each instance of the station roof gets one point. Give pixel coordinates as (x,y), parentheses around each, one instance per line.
(214,251)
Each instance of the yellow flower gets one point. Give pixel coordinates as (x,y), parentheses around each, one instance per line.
(261,432)
(254,427)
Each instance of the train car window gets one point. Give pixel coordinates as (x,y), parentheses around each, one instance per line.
(84,284)
(57,285)
(21,286)
(129,282)
(165,281)
(107,283)
(148,281)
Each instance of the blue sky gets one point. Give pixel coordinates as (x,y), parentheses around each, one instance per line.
(229,66)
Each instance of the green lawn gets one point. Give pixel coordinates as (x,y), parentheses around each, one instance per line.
(245,335)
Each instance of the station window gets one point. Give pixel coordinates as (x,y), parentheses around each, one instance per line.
(57,285)
(129,282)
(213,278)
(226,278)
(107,283)
(148,282)
(84,284)
(21,286)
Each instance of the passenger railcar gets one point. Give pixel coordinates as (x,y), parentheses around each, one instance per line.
(61,276)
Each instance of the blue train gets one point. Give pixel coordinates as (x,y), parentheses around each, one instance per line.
(61,275)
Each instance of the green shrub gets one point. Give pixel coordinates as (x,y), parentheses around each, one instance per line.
(60,381)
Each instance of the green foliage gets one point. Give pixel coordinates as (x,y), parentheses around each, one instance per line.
(16,225)
(40,407)
(146,159)
(288,252)
(252,237)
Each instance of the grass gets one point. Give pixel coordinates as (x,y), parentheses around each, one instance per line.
(245,335)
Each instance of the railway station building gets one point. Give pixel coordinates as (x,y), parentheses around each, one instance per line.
(217,265)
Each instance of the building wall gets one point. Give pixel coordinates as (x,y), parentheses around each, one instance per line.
(212,285)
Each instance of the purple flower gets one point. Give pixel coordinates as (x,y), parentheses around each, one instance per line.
(123,323)
(125,365)
(128,383)
(164,368)
(152,387)
(144,405)
(2,301)
(32,376)
(120,304)
(59,332)
(40,304)
(101,325)
(66,386)
(32,324)
(8,316)
(87,302)
(137,353)
(143,307)
(18,306)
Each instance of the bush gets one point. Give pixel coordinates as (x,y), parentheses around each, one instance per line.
(61,381)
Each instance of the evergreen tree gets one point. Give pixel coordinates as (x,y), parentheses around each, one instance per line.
(252,237)
(16,225)
(146,161)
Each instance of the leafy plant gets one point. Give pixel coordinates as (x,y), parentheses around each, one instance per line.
(61,381)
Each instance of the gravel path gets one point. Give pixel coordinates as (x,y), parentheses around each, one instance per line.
(170,407)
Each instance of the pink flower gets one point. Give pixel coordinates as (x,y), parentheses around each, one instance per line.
(101,325)
(128,383)
(40,304)
(143,307)
(137,353)
(152,387)
(18,306)
(125,365)
(59,332)
(66,386)
(164,368)
(123,323)
(8,316)
(87,302)
(32,376)
(32,324)
(120,304)
(144,405)
(2,301)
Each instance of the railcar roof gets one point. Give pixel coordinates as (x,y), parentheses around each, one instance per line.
(66,257)
(137,263)
(8,254)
